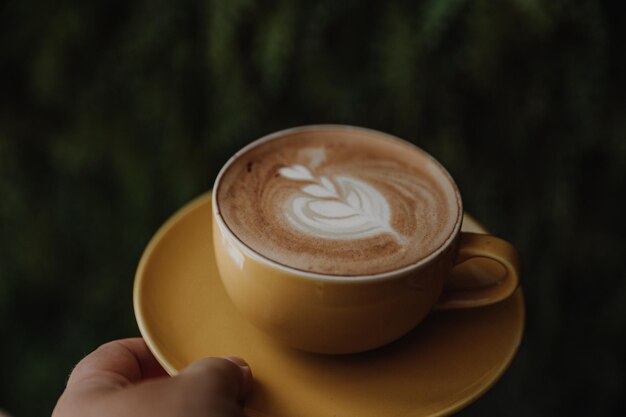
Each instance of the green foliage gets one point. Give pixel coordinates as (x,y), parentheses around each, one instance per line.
(113,114)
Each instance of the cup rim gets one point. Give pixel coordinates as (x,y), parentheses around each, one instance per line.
(224,228)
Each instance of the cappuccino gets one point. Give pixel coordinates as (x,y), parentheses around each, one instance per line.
(336,201)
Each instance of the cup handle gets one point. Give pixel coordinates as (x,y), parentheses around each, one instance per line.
(469,289)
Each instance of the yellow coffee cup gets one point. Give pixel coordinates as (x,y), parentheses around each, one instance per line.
(333,314)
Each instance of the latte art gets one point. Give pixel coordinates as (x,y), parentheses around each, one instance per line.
(352,209)
(339,202)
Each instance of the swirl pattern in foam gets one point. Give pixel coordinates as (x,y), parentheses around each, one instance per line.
(338,203)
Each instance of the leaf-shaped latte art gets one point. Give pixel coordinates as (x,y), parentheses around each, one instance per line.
(296,172)
(347,209)
(318,191)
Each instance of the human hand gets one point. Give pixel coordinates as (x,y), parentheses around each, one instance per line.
(122,378)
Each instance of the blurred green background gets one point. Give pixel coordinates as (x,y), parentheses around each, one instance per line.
(113,114)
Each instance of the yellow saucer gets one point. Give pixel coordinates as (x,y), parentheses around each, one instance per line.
(444,364)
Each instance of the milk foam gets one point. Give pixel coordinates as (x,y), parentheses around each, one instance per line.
(338,205)
(343,208)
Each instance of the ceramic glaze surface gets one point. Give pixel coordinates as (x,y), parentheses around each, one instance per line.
(448,362)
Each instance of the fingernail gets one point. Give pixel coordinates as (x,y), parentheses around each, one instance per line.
(237,360)
(246,373)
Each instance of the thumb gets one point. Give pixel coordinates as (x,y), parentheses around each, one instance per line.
(218,379)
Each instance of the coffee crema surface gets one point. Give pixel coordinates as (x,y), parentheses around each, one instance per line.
(338,202)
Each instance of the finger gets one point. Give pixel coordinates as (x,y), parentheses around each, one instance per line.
(227,378)
(209,387)
(246,383)
(117,364)
(150,367)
